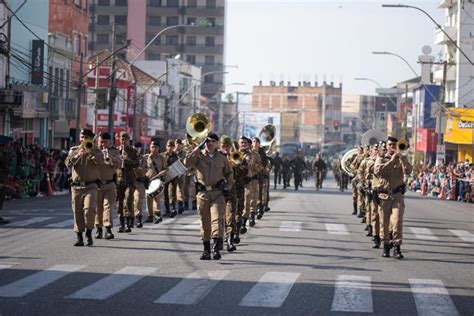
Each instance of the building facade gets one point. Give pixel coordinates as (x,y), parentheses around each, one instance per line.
(201,46)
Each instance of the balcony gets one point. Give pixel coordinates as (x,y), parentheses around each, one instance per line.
(205,11)
(53,107)
(212,30)
(163,11)
(164,48)
(441,38)
(70,108)
(203,49)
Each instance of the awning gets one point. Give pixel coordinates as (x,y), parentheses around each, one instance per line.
(459,126)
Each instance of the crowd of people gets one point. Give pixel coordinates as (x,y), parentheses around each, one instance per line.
(449,181)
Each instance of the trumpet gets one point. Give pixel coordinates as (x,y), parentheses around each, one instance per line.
(402,146)
(107,159)
(122,156)
(88,146)
(236,156)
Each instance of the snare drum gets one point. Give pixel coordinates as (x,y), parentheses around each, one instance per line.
(155,188)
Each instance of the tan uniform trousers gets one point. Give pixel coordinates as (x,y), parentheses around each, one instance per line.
(251,198)
(154,205)
(368,209)
(391,216)
(106,197)
(360,201)
(84,202)
(138,198)
(230,210)
(354,194)
(125,200)
(189,188)
(263,198)
(211,211)
(375,219)
(180,190)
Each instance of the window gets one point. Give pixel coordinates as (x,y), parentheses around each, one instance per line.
(211,22)
(120,3)
(209,79)
(157,40)
(154,20)
(78,3)
(191,20)
(102,38)
(191,59)
(191,40)
(210,3)
(104,3)
(172,20)
(56,81)
(121,19)
(154,3)
(84,45)
(103,20)
(172,3)
(120,39)
(210,41)
(209,60)
(68,77)
(61,82)
(77,44)
(50,79)
(172,40)
(152,56)
(192,3)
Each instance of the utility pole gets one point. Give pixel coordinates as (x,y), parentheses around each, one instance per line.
(112,92)
(96,92)
(405,112)
(79,100)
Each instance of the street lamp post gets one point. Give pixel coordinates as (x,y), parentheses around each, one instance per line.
(398,56)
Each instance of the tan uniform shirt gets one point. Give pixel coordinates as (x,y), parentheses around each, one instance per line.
(254,163)
(142,167)
(107,172)
(392,171)
(84,168)
(210,170)
(155,164)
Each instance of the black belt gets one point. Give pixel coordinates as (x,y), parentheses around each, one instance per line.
(84,183)
(400,189)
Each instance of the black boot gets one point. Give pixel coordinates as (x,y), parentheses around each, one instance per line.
(186,205)
(180,207)
(243,228)
(206,254)
(90,242)
(386,251)
(354,212)
(149,219)
(173,212)
(216,255)
(194,204)
(376,243)
(361,214)
(252,220)
(98,233)
(366,227)
(260,212)
(139,221)
(108,233)
(237,234)
(157,218)
(397,253)
(129,221)
(167,209)
(230,243)
(369,231)
(363,221)
(122,224)
(79,241)
(267,209)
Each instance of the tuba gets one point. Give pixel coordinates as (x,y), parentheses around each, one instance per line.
(267,137)
(372,136)
(344,159)
(198,126)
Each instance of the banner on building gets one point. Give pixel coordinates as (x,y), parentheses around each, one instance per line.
(37,62)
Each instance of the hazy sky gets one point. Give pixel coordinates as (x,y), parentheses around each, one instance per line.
(296,40)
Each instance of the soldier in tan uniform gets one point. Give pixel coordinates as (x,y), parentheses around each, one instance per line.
(84,164)
(365,176)
(348,164)
(170,187)
(107,193)
(214,178)
(377,184)
(254,166)
(140,183)
(181,196)
(392,168)
(126,183)
(354,166)
(189,185)
(156,168)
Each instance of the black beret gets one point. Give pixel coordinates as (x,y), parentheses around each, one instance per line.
(392,139)
(155,142)
(212,135)
(87,132)
(243,137)
(138,145)
(179,141)
(105,135)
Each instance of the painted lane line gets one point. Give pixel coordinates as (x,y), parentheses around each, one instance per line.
(5,266)
(432,298)
(271,290)
(113,284)
(463,234)
(66,223)
(353,293)
(423,233)
(37,280)
(290,226)
(193,288)
(337,229)
(30,221)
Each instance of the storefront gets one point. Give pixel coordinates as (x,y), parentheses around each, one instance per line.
(459,133)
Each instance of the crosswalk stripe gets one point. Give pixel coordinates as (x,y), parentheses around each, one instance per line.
(432,298)
(423,233)
(29,221)
(271,290)
(337,229)
(353,293)
(5,266)
(37,280)
(113,284)
(193,226)
(463,234)
(193,288)
(66,223)
(290,226)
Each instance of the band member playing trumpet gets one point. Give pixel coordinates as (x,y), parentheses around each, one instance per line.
(84,162)
(125,183)
(214,179)
(107,193)
(181,195)
(170,187)
(156,169)
(392,168)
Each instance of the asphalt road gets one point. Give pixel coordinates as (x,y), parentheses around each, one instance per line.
(307,256)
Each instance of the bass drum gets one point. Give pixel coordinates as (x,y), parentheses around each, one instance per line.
(155,188)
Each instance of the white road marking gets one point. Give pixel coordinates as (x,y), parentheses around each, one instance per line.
(196,225)
(271,290)
(37,280)
(337,229)
(66,223)
(193,288)
(112,284)
(5,266)
(29,221)
(353,293)
(423,233)
(432,298)
(463,234)
(290,226)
